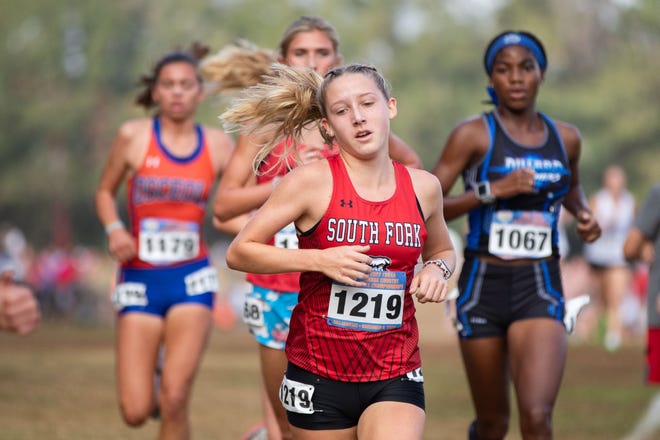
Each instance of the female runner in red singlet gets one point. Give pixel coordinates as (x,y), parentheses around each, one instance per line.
(309,42)
(363,221)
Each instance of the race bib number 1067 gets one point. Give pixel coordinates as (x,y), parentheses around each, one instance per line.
(520,234)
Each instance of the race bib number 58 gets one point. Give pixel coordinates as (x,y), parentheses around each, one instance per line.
(253,312)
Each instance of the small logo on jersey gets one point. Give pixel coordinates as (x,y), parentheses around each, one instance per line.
(380,263)
(344,203)
(152,162)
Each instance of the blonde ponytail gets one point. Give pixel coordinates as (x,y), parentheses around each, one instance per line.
(281,106)
(235,67)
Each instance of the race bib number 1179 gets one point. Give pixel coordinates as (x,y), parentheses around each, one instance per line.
(164,241)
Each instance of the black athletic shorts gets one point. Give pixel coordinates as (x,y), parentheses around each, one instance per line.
(493,296)
(339,405)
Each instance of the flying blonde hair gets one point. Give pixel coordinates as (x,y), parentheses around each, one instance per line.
(236,66)
(281,105)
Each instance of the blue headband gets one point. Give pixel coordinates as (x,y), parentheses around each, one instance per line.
(514,39)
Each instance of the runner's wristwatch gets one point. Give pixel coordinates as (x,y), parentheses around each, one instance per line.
(482,192)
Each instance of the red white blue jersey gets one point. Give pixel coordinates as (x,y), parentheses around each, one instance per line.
(167,199)
(275,165)
(368,333)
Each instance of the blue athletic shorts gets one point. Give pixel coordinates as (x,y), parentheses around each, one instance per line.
(155,291)
(268,314)
(493,296)
(339,405)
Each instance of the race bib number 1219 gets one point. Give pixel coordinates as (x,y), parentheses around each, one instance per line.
(376,307)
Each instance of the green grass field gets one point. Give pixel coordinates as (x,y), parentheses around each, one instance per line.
(58,383)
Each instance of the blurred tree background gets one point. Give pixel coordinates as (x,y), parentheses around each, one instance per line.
(69,69)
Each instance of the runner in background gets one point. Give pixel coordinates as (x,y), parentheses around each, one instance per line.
(166,284)
(642,243)
(519,167)
(614,208)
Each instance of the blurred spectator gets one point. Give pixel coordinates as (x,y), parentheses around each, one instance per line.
(643,244)
(614,209)
(55,276)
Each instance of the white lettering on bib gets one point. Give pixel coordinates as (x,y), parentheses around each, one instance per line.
(129,294)
(520,234)
(202,281)
(376,307)
(164,241)
(296,396)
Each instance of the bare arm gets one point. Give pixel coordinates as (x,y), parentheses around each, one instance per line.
(237,192)
(19,310)
(575,201)
(232,226)
(638,247)
(126,152)
(429,284)
(467,143)
(301,197)
(221,146)
(639,243)
(115,170)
